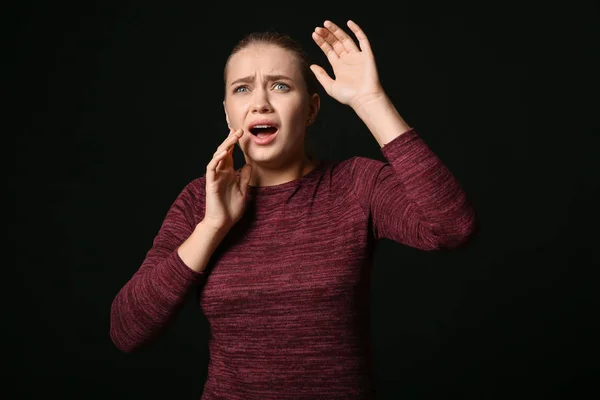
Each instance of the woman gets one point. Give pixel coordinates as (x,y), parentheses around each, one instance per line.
(281,251)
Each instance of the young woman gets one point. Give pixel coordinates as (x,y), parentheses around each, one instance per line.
(280,252)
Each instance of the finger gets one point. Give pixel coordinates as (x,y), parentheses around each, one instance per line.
(326,47)
(224,163)
(227,146)
(333,41)
(244,176)
(227,161)
(211,168)
(232,132)
(342,37)
(360,35)
(230,141)
(323,77)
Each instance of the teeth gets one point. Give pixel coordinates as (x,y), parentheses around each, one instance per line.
(262,126)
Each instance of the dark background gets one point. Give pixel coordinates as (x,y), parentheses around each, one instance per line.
(119,105)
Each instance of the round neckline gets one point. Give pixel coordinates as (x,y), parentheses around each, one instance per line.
(290,184)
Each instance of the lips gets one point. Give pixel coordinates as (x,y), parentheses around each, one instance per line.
(265,126)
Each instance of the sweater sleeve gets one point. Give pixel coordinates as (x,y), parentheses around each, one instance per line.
(156,292)
(413,198)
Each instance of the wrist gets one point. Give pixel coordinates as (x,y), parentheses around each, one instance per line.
(214,230)
(369,101)
(381,118)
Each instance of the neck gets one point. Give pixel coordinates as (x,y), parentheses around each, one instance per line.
(262,176)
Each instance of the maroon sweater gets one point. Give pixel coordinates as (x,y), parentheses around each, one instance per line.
(286,293)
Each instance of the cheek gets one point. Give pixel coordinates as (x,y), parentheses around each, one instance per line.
(298,113)
(237,111)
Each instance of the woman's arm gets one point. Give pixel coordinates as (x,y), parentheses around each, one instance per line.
(156,292)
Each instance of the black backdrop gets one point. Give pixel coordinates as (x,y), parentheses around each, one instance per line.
(119,106)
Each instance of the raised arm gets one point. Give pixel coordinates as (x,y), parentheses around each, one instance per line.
(413,198)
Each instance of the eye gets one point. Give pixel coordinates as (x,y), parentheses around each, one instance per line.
(238,89)
(282,86)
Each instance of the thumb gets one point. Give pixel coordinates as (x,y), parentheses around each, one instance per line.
(245,175)
(323,77)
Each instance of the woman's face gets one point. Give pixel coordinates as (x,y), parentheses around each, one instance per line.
(265,85)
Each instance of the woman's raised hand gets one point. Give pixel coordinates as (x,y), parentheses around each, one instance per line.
(225,189)
(356,78)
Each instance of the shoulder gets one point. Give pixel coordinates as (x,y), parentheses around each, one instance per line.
(191,194)
(356,166)
(355,172)
(195,187)
(190,200)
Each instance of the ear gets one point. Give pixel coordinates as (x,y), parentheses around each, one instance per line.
(226,116)
(313,108)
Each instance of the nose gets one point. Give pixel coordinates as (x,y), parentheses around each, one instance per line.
(260,101)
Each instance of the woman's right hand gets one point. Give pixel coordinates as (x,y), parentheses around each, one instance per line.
(225,189)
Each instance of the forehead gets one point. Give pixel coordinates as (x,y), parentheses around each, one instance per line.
(263,59)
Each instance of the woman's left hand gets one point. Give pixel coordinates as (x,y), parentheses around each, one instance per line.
(356,78)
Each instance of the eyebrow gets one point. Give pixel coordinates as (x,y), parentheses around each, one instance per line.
(250,78)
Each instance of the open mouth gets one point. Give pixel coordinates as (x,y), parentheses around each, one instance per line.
(263,130)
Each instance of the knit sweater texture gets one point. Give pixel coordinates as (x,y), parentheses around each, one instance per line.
(286,293)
